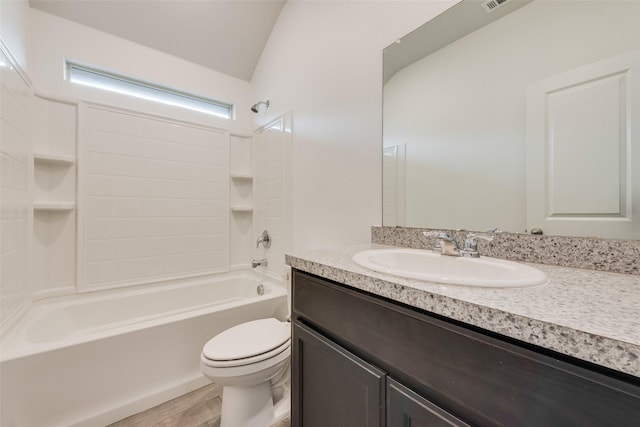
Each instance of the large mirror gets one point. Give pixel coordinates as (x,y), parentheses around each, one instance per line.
(516,115)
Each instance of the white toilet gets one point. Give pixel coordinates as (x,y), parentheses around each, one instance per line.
(251,362)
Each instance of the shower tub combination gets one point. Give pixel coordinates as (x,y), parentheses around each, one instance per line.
(93,359)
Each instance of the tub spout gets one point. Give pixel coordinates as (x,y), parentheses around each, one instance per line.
(257,262)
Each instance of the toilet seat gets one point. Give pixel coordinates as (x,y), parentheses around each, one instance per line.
(248,360)
(247,343)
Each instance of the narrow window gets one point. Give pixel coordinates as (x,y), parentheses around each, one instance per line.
(106,80)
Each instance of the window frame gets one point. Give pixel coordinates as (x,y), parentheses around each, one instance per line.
(87,75)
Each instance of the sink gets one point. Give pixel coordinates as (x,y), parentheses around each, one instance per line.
(433,267)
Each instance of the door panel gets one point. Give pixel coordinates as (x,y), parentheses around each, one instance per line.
(333,387)
(582,143)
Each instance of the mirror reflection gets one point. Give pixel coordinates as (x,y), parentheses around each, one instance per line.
(522,123)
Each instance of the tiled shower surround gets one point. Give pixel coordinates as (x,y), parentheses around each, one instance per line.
(269,187)
(616,256)
(16,192)
(156,198)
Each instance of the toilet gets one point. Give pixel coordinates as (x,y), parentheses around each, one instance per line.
(251,362)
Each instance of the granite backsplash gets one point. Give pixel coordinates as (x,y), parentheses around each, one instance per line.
(616,256)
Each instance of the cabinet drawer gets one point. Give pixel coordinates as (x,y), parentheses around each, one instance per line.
(479,378)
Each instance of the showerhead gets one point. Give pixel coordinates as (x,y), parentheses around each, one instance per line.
(255,107)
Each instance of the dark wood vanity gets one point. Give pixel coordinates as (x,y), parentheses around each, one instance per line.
(361,360)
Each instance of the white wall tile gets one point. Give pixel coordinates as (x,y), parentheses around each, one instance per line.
(177,208)
(101,250)
(15,195)
(154,208)
(101,228)
(129,207)
(129,227)
(101,207)
(153,128)
(153,168)
(129,166)
(127,124)
(101,120)
(174,264)
(132,248)
(100,272)
(176,133)
(166,188)
(129,145)
(176,189)
(103,142)
(129,186)
(102,163)
(101,185)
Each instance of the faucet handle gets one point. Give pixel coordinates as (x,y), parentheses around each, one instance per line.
(447,244)
(471,243)
(265,239)
(483,236)
(438,234)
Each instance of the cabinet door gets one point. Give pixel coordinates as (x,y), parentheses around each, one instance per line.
(332,387)
(406,408)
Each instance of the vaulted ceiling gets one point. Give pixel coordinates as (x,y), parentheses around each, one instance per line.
(224,35)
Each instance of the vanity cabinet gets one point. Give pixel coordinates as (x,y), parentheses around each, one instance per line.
(338,387)
(361,360)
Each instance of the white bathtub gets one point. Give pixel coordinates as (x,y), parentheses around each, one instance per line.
(93,359)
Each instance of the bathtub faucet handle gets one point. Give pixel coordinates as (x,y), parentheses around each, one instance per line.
(265,239)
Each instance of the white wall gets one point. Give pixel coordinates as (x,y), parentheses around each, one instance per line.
(55,39)
(462,110)
(323,61)
(14,28)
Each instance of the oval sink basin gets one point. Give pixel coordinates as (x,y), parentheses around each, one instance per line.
(427,265)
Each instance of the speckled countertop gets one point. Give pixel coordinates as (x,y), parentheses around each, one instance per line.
(591,315)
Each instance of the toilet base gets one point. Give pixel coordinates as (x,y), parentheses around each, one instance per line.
(253,406)
(247,406)
(281,410)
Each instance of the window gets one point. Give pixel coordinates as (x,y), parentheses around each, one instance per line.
(106,80)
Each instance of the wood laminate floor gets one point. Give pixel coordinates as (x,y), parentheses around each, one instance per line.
(200,408)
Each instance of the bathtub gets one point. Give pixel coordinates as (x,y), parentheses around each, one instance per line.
(93,359)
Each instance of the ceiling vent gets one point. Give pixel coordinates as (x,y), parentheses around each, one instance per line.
(491,5)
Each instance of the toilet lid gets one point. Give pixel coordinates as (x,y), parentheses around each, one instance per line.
(247,340)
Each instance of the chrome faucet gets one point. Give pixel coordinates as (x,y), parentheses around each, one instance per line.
(259,262)
(265,239)
(470,248)
(447,244)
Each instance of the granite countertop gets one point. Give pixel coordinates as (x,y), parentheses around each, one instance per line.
(590,315)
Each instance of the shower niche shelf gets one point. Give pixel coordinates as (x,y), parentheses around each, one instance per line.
(55,139)
(244,209)
(241,189)
(54,179)
(241,177)
(53,207)
(53,160)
